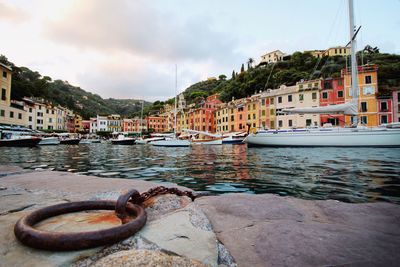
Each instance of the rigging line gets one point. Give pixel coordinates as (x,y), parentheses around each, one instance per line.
(338,12)
(269,76)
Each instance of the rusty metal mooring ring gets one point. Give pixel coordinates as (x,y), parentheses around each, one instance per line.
(60,241)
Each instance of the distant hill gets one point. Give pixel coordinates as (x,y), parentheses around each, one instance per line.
(26,82)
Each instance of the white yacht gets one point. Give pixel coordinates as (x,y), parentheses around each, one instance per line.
(359,136)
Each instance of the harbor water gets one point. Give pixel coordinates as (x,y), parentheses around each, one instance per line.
(346,174)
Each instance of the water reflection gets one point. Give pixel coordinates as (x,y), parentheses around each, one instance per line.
(351,175)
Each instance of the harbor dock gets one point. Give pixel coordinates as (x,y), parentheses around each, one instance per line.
(225,230)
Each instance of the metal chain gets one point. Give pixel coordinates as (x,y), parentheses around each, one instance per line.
(161,190)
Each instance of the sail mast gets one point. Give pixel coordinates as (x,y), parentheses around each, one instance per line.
(354,71)
(176,86)
(141,120)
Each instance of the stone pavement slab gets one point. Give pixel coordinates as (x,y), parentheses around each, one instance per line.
(268,230)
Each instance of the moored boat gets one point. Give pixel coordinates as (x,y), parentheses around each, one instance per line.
(49,141)
(325,137)
(234,138)
(122,140)
(23,141)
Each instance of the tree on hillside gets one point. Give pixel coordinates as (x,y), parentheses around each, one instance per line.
(222,77)
(371,50)
(233,74)
(242,69)
(250,62)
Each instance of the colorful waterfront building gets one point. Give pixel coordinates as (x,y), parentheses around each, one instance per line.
(385,110)
(114,123)
(10,113)
(396,105)
(253,111)
(332,93)
(128,126)
(86,126)
(78,126)
(222,118)
(156,124)
(240,115)
(202,118)
(368,89)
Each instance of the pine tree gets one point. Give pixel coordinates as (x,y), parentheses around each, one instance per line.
(233,74)
(242,68)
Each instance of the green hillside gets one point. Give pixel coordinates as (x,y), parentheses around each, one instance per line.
(298,66)
(26,82)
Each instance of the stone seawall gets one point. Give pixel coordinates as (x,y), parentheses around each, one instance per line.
(226,230)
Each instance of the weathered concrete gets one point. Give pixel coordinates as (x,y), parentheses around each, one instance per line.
(268,230)
(145,258)
(20,194)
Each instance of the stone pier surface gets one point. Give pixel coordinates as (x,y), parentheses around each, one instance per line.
(226,230)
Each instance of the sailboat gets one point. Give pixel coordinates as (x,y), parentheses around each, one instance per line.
(357,136)
(173,142)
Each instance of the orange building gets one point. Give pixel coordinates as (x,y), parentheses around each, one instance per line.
(156,124)
(203,117)
(368,89)
(128,126)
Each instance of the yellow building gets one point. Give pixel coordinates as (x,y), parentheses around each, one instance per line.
(222,118)
(253,111)
(368,88)
(114,123)
(11,113)
(330,52)
(78,123)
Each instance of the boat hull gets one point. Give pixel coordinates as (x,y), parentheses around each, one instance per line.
(70,142)
(49,141)
(207,142)
(125,142)
(171,143)
(232,141)
(347,138)
(20,142)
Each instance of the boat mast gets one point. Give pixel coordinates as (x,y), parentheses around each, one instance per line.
(354,71)
(141,120)
(176,86)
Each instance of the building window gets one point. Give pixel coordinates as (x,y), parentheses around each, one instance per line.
(263,102)
(340,82)
(240,117)
(3,94)
(308,122)
(30,110)
(384,119)
(290,123)
(280,123)
(272,124)
(2,113)
(368,79)
(263,113)
(384,106)
(300,86)
(40,107)
(271,112)
(301,97)
(314,96)
(364,120)
(289,97)
(325,95)
(232,118)
(20,116)
(279,99)
(254,116)
(30,118)
(248,116)
(271,101)
(4,74)
(11,114)
(340,94)
(364,107)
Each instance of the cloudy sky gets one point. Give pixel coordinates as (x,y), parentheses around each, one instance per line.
(128,49)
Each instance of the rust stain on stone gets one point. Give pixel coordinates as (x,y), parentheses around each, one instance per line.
(104,217)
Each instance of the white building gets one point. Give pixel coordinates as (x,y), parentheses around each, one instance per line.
(272,57)
(102,122)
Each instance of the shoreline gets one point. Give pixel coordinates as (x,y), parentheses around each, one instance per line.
(256,230)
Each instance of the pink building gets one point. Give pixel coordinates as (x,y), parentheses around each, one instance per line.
(385,111)
(396,105)
(128,126)
(332,93)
